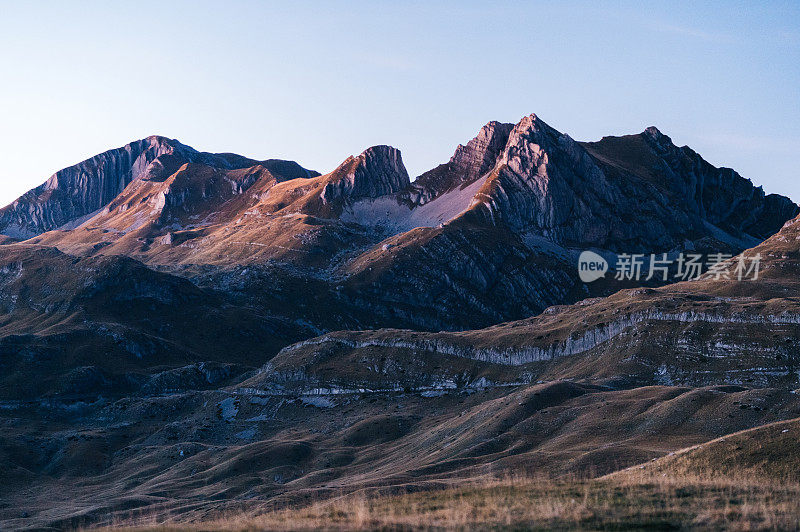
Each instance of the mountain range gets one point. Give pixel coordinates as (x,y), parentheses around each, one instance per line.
(207,331)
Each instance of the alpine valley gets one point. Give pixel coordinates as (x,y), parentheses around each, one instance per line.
(185,334)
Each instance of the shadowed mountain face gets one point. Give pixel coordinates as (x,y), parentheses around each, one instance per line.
(718,196)
(215,329)
(87,327)
(708,331)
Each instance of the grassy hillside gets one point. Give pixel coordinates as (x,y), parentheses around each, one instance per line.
(770,453)
(745,481)
(671,502)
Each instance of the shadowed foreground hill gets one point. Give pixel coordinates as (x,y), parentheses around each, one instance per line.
(192,456)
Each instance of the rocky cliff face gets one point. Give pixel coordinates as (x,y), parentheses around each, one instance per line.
(71,195)
(636,194)
(545,183)
(78,190)
(378,171)
(468,163)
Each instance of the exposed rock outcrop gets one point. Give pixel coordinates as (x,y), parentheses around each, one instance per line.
(378,171)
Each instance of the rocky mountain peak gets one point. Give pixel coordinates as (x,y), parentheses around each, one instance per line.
(591,194)
(481,153)
(654,133)
(658,140)
(533,129)
(528,122)
(161,139)
(79,190)
(530,188)
(378,171)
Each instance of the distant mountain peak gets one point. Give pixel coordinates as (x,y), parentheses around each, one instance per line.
(160,138)
(481,153)
(82,189)
(653,135)
(586,194)
(653,131)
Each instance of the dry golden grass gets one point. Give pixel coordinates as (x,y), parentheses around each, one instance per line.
(643,500)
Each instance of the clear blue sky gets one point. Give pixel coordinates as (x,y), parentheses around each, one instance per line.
(318,81)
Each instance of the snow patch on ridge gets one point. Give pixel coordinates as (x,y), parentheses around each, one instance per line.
(389,213)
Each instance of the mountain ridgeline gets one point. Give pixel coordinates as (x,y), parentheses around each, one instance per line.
(534,180)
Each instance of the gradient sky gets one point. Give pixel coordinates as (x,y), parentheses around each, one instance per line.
(318,81)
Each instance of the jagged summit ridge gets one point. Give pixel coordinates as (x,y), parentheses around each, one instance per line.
(77,192)
(718,195)
(635,193)
(656,134)
(468,163)
(545,182)
(480,154)
(622,193)
(80,189)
